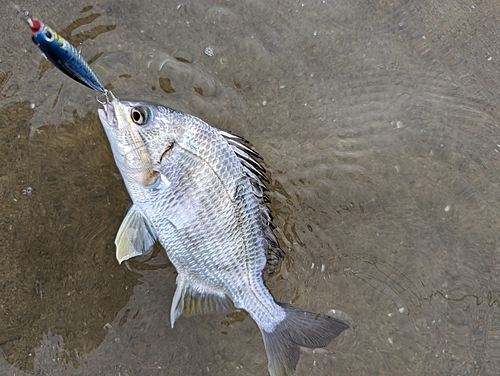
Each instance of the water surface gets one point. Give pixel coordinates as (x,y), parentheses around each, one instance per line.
(378,122)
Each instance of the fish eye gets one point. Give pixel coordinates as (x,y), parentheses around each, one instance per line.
(139,115)
(35,41)
(48,35)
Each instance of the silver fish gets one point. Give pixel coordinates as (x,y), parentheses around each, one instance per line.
(200,192)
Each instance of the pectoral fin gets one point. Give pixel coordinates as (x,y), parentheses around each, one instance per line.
(135,237)
(189,301)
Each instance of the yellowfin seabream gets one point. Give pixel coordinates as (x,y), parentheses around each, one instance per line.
(200,192)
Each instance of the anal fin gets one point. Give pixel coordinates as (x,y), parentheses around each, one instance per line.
(189,301)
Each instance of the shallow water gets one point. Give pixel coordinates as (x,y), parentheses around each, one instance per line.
(378,122)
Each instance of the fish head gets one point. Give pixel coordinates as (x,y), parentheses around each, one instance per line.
(122,122)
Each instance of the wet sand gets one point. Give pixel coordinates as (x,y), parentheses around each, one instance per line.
(378,122)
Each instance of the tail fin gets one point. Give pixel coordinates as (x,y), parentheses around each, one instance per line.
(299,328)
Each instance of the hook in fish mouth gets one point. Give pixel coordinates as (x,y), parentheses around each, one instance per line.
(108,108)
(109,98)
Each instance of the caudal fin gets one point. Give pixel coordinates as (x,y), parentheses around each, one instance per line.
(299,328)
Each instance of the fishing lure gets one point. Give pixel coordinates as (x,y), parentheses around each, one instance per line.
(63,55)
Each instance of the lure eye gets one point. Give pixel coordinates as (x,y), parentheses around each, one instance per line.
(139,115)
(35,41)
(48,35)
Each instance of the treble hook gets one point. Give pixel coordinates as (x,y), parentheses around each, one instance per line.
(109,98)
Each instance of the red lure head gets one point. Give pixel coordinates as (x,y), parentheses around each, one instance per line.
(34,25)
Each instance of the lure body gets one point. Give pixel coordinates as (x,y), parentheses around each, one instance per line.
(63,55)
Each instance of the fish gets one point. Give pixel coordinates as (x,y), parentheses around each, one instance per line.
(200,192)
(63,55)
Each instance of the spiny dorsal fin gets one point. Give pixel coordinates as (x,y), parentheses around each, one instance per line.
(189,301)
(135,236)
(256,173)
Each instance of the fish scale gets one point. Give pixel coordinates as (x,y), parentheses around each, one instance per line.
(254,261)
(206,206)
(224,233)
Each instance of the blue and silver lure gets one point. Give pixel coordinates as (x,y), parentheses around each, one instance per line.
(63,55)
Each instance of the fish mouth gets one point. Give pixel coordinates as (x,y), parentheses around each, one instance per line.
(107,115)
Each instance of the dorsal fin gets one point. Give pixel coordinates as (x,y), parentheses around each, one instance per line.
(256,173)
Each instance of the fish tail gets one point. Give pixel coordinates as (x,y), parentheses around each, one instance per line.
(299,328)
